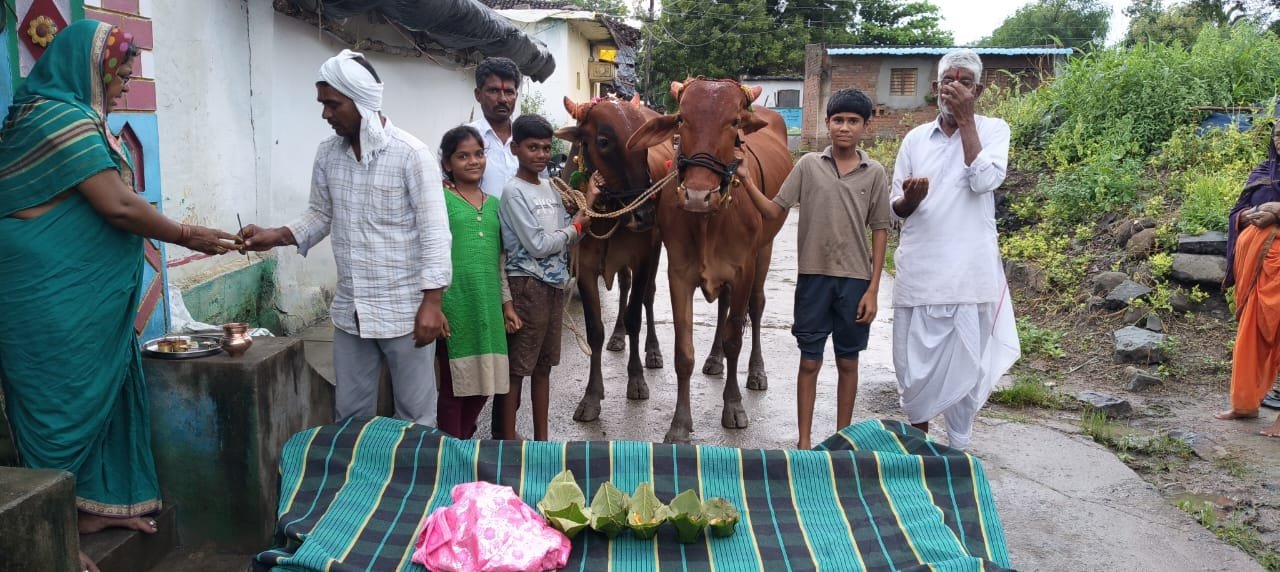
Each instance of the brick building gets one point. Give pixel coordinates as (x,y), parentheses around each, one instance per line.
(900,82)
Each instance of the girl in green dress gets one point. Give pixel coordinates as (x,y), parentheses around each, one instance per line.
(477,305)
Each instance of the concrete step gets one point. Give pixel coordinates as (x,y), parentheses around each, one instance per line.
(192,560)
(121,550)
(38,520)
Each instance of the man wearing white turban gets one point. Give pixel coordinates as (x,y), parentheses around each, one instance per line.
(376,190)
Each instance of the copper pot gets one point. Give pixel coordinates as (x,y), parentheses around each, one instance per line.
(235,339)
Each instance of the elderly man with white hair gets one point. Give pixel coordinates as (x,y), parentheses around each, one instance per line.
(376,190)
(953,328)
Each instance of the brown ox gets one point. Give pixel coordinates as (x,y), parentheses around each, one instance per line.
(627,247)
(716,240)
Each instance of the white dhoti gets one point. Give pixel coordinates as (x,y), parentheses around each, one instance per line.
(949,357)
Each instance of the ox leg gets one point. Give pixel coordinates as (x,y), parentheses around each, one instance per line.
(589,290)
(682,315)
(652,349)
(634,312)
(757,379)
(715,360)
(734,415)
(616,340)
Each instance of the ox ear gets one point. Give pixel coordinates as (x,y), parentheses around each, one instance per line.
(751,121)
(653,132)
(635,100)
(569,133)
(753,92)
(571,107)
(675,91)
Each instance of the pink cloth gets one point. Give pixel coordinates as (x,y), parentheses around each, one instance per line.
(489,529)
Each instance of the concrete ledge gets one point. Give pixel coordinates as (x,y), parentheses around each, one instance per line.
(38,520)
(218,425)
(121,550)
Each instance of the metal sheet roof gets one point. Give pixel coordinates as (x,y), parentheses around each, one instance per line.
(938,51)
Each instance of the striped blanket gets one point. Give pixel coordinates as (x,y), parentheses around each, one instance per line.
(876,496)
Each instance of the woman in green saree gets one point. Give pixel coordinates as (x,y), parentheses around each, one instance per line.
(70,271)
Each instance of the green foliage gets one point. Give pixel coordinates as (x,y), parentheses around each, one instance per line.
(1099,184)
(610,7)
(1234,532)
(1051,250)
(756,37)
(1161,264)
(1070,23)
(1029,391)
(1037,341)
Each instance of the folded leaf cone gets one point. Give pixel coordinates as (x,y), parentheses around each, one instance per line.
(721,515)
(564,505)
(647,513)
(609,510)
(686,515)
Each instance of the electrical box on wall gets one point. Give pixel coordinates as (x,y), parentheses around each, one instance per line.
(601,71)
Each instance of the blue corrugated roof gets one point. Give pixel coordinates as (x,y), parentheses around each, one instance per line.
(938,51)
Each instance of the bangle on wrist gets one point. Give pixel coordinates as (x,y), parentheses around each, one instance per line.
(184,234)
(577,225)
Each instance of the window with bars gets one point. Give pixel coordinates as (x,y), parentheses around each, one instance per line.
(788,98)
(902,81)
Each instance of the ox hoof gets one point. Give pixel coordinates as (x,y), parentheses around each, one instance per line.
(637,389)
(617,343)
(588,410)
(653,358)
(734,416)
(677,436)
(758,380)
(713,366)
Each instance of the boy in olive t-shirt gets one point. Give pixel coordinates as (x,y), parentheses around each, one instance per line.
(842,193)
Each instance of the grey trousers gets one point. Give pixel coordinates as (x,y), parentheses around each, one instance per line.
(357,364)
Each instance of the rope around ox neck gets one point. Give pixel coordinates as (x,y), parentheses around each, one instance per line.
(573,196)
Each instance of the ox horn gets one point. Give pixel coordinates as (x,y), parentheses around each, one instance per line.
(572,108)
(635,100)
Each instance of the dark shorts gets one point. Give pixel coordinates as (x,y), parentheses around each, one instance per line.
(828,306)
(541,308)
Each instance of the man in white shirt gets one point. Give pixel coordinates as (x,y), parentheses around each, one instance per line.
(497,87)
(953,328)
(376,190)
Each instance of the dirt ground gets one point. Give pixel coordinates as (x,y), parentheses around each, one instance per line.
(1232,469)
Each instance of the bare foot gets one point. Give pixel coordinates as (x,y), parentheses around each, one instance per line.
(87,563)
(1233,414)
(1273,431)
(91,523)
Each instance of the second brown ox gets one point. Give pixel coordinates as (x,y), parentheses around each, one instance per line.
(715,238)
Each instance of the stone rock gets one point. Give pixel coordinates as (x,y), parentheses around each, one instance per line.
(1143,243)
(1109,405)
(1203,269)
(1140,380)
(1029,275)
(1154,323)
(1134,315)
(1202,445)
(1125,294)
(1097,302)
(1103,283)
(1180,302)
(1125,229)
(1138,345)
(1212,242)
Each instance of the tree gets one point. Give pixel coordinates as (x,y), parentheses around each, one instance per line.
(1151,22)
(1070,23)
(610,7)
(724,38)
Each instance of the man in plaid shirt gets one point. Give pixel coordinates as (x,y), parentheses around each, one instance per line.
(376,190)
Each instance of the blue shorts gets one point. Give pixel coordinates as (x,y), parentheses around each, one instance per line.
(828,306)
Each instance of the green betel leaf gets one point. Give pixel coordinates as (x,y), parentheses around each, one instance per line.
(609,510)
(686,515)
(721,515)
(578,180)
(563,505)
(647,512)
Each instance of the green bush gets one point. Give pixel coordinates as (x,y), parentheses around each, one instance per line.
(1098,184)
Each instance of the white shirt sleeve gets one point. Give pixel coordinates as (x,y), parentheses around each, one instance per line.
(316,221)
(426,195)
(988,169)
